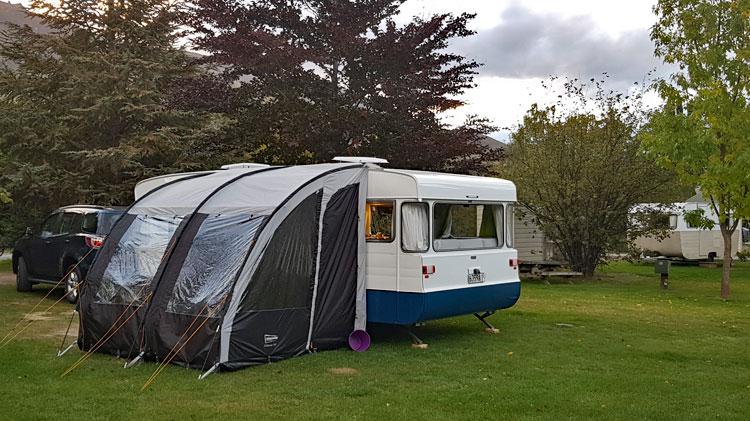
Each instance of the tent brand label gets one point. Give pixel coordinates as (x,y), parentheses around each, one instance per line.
(270,340)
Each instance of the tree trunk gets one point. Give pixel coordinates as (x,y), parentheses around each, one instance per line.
(726,265)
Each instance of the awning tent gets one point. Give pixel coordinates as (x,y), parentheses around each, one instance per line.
(232,268)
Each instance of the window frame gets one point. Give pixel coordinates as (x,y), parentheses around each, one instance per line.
(500,242)
(393,220)
(429,227)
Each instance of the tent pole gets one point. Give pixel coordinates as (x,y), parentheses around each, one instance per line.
(60,351)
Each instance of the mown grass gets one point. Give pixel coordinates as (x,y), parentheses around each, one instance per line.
(5,265)
(616,347)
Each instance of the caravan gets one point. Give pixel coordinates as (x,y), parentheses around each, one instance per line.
(438,245)
(683,240)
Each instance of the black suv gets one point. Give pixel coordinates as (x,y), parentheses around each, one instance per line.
(66,238)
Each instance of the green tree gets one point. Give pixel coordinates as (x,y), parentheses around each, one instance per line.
(703,130)
(86,110)
(318,78)
(579,171)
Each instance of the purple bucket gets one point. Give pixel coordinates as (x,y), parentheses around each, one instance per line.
(359,340)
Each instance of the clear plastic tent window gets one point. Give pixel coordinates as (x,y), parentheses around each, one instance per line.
(217,252)
(136,260)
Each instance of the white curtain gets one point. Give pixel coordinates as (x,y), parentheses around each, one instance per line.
(414,227)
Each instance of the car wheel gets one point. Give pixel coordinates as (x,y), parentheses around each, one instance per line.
(72,284)
(22,276)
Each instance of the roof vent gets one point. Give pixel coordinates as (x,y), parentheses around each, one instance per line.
(243,165)
(360,159)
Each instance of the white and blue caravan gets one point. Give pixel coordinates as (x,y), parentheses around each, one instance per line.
(437,245)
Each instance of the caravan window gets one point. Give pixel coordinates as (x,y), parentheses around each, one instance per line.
(379,221)
(511,218)
(415,227)
(462,226)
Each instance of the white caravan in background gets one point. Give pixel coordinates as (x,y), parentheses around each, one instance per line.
(685,241)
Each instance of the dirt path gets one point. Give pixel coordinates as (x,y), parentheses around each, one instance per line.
(7,278)
(51,324)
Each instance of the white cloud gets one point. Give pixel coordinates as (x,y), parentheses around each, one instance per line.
(528,44)
(521,43)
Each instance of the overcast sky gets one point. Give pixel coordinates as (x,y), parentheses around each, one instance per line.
(522,43)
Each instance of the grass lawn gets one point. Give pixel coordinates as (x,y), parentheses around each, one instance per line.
(616,347)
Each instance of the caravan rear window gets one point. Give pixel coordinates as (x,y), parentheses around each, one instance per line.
(461,226)
(379,221)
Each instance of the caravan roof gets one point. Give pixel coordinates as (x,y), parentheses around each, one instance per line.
(390,183)
(393,183)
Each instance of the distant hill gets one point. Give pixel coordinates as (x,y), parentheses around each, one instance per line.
(16,14)
(492,143)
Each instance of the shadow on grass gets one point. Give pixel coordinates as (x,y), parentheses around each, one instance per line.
(431,331)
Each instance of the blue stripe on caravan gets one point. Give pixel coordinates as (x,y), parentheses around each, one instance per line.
(406,308)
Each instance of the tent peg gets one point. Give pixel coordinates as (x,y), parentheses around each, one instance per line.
(134,361)
(207,373)
(61,353)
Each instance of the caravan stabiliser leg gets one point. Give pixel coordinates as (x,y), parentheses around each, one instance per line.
(415,341)
(483,318)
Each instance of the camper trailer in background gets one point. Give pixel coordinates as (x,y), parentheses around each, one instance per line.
(537,253)
(684,241)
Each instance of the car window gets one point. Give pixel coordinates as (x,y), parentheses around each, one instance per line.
(51,225)
(68,224)
(89,223)
(77,224)
(106,220)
